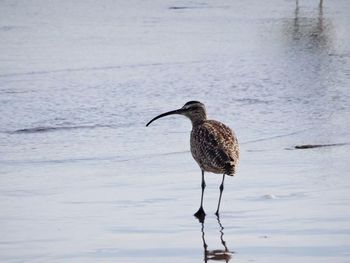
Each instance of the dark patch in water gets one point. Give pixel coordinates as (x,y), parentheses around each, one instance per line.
(201,6)
(8,28)
(179,7)
(310,146)
(49,129)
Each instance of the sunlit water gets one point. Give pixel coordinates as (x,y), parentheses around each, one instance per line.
(83,180)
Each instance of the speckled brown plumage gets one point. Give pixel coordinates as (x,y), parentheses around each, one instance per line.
(215,148)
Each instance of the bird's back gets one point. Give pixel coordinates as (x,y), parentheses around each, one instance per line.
(215,148)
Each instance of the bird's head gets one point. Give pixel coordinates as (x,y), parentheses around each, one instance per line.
(194,110)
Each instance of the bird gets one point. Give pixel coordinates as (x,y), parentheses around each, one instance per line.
(214,146)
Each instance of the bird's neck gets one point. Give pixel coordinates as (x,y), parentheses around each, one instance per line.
(199,120)
(197,117)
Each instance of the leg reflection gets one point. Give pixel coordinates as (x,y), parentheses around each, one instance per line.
(217,254)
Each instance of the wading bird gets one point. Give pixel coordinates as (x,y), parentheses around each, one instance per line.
(214,146)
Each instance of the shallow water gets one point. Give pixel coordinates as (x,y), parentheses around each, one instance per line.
(83,179)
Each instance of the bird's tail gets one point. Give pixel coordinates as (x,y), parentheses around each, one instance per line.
(230,168)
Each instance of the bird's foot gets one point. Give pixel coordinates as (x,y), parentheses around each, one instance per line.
(200,214)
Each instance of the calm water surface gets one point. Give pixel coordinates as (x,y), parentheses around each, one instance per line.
(83,180)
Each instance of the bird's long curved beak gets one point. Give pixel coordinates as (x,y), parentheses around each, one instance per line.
(179,111)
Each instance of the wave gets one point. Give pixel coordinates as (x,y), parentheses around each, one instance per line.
(97,68)
(42,129)
(274,137)
(114,158)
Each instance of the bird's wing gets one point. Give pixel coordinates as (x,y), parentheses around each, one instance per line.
(217,144)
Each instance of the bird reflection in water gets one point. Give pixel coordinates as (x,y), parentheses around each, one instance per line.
(316,31)
(217,254)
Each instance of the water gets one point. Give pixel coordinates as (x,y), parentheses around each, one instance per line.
(83,179)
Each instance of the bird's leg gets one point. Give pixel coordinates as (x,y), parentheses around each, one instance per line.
(221,190)
(200,214)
